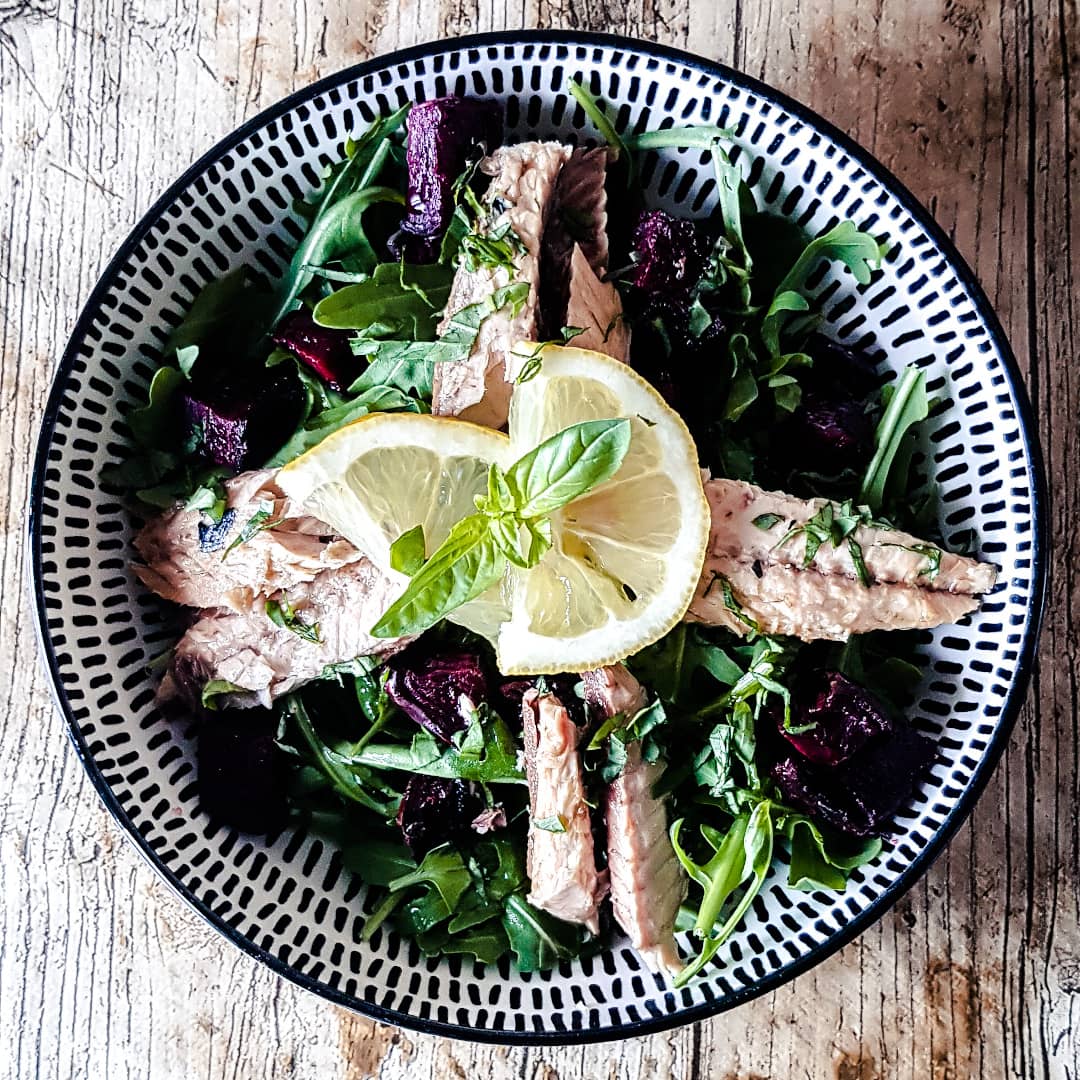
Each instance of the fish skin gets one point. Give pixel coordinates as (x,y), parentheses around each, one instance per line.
(776,594)
(595,307)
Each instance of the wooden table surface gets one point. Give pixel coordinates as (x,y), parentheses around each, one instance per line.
(105,974)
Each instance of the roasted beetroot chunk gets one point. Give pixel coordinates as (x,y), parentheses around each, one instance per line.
(845,717)
(430,688)
(833,427)
(240,425)
(442,135)
(325,351)
(241,771)
(435,811)
(669,254)
(860,796)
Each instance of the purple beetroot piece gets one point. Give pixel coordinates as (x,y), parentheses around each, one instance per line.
(435,810)
(861,795)
(442,135)
(325,351)
(845,717)
(241,771)
(239,426)
(669,254)
(429,689)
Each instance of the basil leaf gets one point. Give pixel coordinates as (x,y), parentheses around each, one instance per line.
(568,464)
(908,406)
(467,563)
(766,521)
(409,298)
(408,551)
(859,251)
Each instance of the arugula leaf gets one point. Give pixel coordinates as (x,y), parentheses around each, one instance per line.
(444,868)
(408,551)
(378,862)
(742,855)
(496,763)
(538,940)
(729,186)
(859,251)
(353,782)
(743,387)
(568,464)
(467,563)
(820,861)
(155,424)
(697,136)
(212,315)
(407,298)
(282,613)
(376,398)
(594,111)
(336,231)
(409,365)
(908,406)
(218,688)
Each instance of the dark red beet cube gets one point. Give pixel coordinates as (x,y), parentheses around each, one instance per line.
(429,689)
(436,810)
(240,425)
(845,716)
(860,796)
(242,772)
(669,254)
(442,135)
(325,351)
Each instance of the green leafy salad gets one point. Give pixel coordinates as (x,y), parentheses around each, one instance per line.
(494,814)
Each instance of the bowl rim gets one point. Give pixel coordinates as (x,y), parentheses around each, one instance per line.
(1015,695)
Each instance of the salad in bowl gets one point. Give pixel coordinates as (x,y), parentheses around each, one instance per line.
(538,547)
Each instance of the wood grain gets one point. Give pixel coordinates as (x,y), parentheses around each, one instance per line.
(103,973)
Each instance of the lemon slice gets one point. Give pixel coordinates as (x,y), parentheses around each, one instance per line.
(627,556)
(380,476)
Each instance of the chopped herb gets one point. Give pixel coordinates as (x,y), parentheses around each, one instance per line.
(282,613)
(257,523)
(217,688)
(836,524)
(554,824)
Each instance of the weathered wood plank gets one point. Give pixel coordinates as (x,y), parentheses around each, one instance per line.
(977,973)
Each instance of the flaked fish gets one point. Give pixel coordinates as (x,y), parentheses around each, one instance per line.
(760,574)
